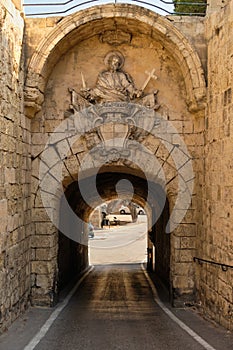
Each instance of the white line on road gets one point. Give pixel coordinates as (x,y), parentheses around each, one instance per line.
(44,329)
(188,330)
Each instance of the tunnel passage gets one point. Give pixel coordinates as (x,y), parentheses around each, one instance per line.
(161,241)
(73,256)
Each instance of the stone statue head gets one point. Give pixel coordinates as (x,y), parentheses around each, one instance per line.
(114,60)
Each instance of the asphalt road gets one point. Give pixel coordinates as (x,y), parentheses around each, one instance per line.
(120,244)
(114,309)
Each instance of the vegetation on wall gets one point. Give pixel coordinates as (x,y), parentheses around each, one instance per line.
(190,6)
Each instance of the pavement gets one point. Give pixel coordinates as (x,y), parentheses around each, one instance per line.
(120,244)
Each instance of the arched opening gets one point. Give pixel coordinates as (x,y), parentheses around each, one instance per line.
(180,95)
(73,256)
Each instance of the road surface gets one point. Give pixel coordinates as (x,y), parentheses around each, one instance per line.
(120,244)
(114,309)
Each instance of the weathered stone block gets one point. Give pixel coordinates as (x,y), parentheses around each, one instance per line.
(45,253)
(42,241)
(44,281)
(42,267)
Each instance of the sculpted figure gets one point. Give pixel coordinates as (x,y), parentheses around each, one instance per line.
(114,85)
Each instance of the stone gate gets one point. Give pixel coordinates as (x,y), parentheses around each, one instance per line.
(165,133)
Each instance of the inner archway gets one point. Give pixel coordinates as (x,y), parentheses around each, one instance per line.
(74,255)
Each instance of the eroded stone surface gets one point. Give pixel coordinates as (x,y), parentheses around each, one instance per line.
(15,171)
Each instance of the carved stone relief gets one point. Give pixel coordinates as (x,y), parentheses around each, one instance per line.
(110,145)
(115,37)
(113,99)
(113,85)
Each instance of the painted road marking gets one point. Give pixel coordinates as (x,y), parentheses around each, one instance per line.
(44,329)
(188,330)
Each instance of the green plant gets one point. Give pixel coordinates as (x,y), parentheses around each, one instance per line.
(190,7)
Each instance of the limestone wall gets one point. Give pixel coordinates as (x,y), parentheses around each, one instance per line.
(65,49)
(194,30)
(14,170)
(215,286)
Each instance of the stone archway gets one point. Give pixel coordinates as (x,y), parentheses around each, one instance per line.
(116,146)
(82,143)
(73,252)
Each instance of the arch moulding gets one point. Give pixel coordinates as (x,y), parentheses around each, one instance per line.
(69,31)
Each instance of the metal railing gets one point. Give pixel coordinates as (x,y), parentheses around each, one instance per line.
(45,8)
(224,267)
